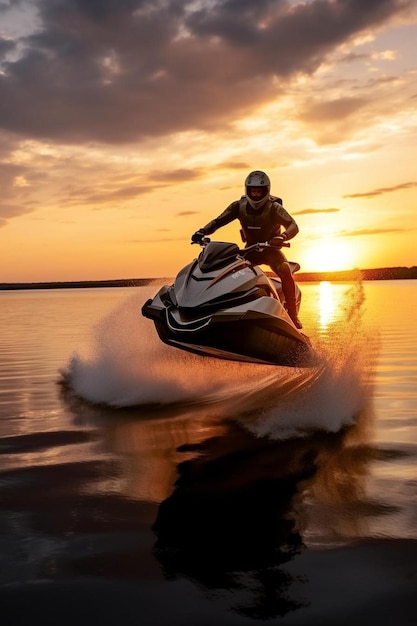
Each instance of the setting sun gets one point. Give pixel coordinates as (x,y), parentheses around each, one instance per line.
(330,256)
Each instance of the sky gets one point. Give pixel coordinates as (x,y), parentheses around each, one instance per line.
(126,125)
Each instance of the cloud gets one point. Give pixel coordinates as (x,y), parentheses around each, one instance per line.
(331,121)
(6,46)
(373,231)
(117,71)
(114,186)
(314,211)
(329,111)
(15,197)
(119,194)
(8,211)
(157,241)
(382,190)
(186,213)
(235,165)
(175,176)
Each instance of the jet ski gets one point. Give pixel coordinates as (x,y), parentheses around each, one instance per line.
(221,305)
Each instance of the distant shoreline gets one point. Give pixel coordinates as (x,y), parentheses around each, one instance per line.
(387,273)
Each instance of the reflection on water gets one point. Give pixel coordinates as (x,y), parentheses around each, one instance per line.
(229,522)
(226,478)
(234,508)
(225,484)
(326,304)
(338,303)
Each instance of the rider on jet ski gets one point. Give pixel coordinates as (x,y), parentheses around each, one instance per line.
(261,217)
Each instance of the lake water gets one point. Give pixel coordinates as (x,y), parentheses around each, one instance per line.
(144,485)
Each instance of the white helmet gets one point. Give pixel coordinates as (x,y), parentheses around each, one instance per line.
(257,186)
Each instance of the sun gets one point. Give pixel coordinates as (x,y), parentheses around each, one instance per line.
(330,256)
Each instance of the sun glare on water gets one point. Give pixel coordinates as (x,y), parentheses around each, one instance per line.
(326,304)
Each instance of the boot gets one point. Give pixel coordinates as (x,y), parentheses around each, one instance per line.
(288,287)
(292,312)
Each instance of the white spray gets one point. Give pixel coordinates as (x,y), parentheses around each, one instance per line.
(127,365)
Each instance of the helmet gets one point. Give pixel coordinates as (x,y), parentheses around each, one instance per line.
(257,185)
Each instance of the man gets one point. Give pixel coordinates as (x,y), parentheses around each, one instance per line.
(261,217)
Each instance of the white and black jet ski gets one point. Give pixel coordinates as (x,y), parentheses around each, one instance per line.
(221,305)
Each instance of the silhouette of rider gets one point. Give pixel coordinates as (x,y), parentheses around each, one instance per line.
(261,217)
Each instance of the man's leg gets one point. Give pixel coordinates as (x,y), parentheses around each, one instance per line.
(278,263)
(288,287)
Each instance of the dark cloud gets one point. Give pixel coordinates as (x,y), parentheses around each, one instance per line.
(380,191)
(6,46)
(187,213)
(119,70)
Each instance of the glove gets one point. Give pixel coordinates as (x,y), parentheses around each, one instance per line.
(277,242)
(198,236)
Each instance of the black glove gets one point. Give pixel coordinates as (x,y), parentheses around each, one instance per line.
(277,242)
(198,236)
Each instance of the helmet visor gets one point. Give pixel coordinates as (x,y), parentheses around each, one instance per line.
(256,193)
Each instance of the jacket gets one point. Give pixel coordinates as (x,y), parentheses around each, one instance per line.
(258,225)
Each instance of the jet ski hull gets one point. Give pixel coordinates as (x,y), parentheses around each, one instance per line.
(221,305)
(252,335)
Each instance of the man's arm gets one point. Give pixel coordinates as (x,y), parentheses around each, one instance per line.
(228,215)
(286,220)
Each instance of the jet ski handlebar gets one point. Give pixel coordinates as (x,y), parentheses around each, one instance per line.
(276,242)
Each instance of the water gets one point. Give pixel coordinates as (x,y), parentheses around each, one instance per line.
(141,484)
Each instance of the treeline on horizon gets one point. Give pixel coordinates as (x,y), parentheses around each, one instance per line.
(387,273)
(384,273)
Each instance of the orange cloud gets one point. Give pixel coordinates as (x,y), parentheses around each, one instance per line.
(314,211)
(381,190)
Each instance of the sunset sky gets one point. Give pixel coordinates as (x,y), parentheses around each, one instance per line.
(125,125)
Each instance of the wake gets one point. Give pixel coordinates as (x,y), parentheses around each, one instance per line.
(126,365)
